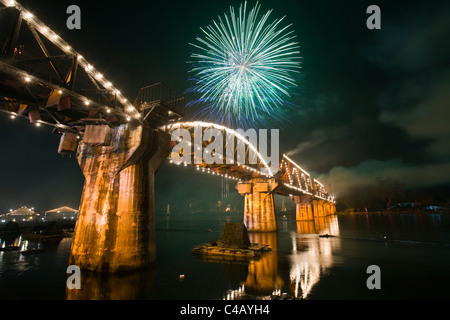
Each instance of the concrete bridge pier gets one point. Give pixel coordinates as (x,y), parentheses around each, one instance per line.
(115,229)
(318,208)
(303,209)
(332,208)
(259,209)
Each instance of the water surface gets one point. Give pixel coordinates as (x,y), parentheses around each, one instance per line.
(411,250)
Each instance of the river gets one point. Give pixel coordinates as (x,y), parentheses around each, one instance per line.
(412,252)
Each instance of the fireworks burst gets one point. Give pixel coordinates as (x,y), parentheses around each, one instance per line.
(244,67)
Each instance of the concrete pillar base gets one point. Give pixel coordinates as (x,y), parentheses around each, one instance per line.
(318,208)
(115,230)
(259,209)
(303,208)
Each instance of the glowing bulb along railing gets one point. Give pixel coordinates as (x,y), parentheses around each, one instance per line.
(65,47)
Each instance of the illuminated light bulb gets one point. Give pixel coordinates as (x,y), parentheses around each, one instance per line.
(130,108)
(124,100)
(108,84)
(138,116)
(44,30)
(27,79)
(55,36)
(99,76)
(87,102)
(10,3)
(59,91)
(108,110)
(90,67)
(38,124)
(79,58)
(128,118)
(13,116)
(78,137)
(27,15)
(68,48)
(117,92)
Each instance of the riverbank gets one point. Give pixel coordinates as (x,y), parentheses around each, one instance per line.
(37,229)
(421,212)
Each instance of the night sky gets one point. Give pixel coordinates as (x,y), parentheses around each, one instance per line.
(370,103)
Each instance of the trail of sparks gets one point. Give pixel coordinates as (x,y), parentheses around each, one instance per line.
(243,67)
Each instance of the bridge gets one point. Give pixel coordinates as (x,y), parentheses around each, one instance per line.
(256,181)
(120,145)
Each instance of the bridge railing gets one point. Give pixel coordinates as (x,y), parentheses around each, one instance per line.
(161,94)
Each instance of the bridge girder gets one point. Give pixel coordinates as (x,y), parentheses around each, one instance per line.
(293,179)
(44,79)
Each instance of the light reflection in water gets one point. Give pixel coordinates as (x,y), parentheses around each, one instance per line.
(263,279)
(312,255)
(127,286)
(263,275)
(15,263)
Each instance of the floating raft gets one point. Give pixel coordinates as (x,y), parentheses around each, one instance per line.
(235,245)
(254,250)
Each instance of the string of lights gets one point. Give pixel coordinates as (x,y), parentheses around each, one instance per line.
(294,173)
(90,70)
(231,132)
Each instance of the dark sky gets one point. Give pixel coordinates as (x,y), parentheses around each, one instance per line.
(371,103)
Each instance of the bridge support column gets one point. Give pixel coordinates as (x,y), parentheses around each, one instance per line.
(115,229)
(259,209)
(329,208)
(303,208)
(326,208)
(318,207)
(332,208)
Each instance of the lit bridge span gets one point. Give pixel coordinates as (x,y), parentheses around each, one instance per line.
(239,159)
(121,144)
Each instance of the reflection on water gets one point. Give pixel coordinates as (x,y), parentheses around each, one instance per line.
(312,255)
(258,279)
(128,286)
(36,275)
(304,254)
(263,277)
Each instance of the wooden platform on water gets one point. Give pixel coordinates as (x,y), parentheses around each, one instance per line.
(253,251)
